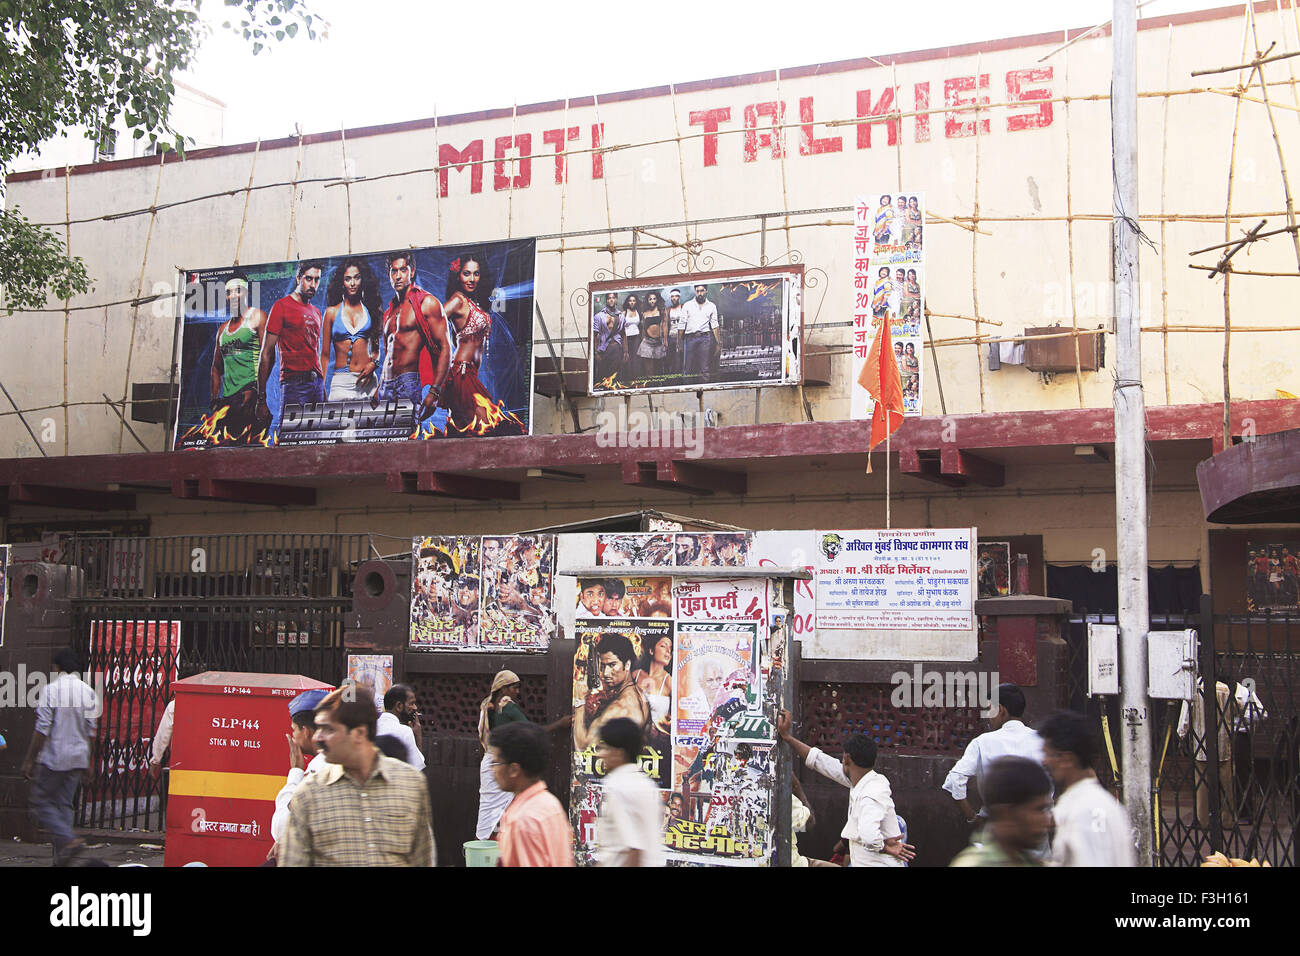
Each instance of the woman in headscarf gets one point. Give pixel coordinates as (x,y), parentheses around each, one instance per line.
(498,708)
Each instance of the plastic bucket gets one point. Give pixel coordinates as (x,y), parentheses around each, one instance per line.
(481,853)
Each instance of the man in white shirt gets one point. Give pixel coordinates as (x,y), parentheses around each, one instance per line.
(698,335)
(872,829)
(62,752)
(630,829)
(1008,738)
(401,719)
(302,717)
(1092,828)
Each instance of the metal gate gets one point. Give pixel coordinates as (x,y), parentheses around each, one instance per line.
(148,609)
(1226,765)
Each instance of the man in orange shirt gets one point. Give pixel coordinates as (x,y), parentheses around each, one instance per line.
(534,829)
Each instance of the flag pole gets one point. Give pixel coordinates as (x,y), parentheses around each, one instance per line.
(887,516)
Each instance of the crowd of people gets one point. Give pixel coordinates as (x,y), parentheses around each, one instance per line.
(354,793)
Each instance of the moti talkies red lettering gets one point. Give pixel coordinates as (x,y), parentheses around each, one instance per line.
(1016,93)
(449,157)
(921,101)
(710,119)
(884,106)
(558,138)
(809,145)
(597,157)
(770,138)
(963,123)
(521,180)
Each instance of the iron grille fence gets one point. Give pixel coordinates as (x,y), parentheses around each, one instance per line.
(1227,763)
(148,610)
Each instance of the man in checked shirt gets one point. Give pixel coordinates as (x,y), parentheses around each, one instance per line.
(364,809)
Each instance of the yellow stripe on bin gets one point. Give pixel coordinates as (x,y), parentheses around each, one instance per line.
(233,786)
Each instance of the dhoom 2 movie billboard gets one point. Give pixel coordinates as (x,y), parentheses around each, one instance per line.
(376,347)
(689,332)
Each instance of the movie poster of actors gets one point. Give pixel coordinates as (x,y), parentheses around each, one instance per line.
(1273,576)
(444,592)
(619,671)
(712,549)
(715,676)
(376,347)
(889,286)
(712,330)
(517,611)
(635,550)
(625,597)
(993,568)
(373,670)
(491,593)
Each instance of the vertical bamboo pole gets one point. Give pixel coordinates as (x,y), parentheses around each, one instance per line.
(293,201)
(67,313)
(1069,233)
(135,308)
(1277,142)
(248,192)
(437,174)
(514,169)
(1227,236)
(347,181)
(609,213)
(1164,223)
(974,239)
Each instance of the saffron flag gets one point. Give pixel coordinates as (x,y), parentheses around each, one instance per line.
(881,379)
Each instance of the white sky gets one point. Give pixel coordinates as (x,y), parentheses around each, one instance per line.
(391,60)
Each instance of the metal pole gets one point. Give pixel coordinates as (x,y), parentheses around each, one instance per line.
(1130,436)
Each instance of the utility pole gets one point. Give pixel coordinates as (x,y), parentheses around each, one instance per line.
(1130,436)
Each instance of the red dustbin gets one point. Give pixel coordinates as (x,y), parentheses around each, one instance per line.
(228,761)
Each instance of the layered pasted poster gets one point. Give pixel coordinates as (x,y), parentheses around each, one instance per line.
(889,286)
(376,347)
(472,593)
(699,665)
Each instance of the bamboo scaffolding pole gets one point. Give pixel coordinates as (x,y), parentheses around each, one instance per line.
(1259,60)
(437,175)
(135,310)
(681,163)
(1069,237)
(293,202)
(248,192)
(510,197)
(974,241)
(1227,266)
(1164,237)
(779,136)
(1277,142)
(67,313)
(347,188)
(1238,272)
(604,178)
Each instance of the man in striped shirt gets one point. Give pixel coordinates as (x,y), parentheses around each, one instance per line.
(364,809)
(534,829)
